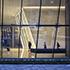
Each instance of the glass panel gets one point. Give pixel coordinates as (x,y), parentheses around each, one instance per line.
(49,17)
(11,39)
(45,2)
(61,37)
(52,2)
(9,50)
(62,17)
(11,8)
(31,16)
(46,37)
(31,3)
(60,42)
(50,12)
(30,12)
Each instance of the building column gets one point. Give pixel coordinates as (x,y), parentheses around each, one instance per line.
(0,22)
(67,29)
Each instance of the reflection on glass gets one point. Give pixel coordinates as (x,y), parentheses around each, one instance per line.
(30,13)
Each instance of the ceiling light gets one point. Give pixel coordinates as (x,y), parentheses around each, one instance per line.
(43,7)
(52,2)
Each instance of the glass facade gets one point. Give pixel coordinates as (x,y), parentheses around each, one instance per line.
(20,24)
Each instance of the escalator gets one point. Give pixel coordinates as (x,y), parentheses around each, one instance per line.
(26,36)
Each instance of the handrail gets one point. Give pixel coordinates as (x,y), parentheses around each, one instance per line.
(28,32)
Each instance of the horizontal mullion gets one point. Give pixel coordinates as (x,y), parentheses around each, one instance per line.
(40,25)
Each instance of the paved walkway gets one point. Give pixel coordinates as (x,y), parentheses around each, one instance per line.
(34,67)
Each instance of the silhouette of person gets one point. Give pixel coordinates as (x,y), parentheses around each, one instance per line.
(29,51)
(58,45)
(8,49)
(29,45)
(45,45)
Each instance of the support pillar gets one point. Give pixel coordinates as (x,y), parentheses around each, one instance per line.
(67,29)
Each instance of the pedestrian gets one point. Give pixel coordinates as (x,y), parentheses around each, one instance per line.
(29,50)
(45,47)
(58,45)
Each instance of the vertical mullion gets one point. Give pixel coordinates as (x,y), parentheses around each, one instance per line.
(2,28)
(65,31)
(39,18)
(56,29)
(20,27)
(11,35)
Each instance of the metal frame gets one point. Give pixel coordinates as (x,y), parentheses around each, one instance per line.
(35,60)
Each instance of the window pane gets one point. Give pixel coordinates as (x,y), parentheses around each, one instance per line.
(30,16)
(61,37)
(47,36)
(31,2)
(12,39)
(50,12)
(11,9)
(52,2)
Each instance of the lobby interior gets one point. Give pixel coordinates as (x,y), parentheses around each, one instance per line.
(43,23)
